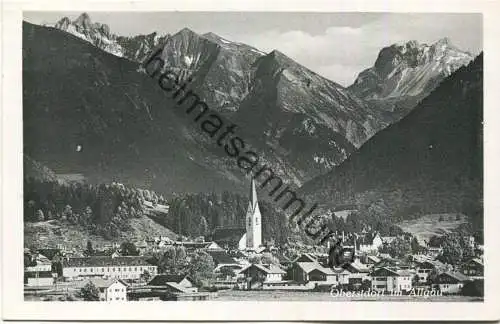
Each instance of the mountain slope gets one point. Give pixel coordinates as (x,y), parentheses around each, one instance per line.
(135,48)
(429,162)
(288,110)
(108,121)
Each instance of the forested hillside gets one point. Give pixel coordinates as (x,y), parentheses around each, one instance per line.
(430,162)
(200,214)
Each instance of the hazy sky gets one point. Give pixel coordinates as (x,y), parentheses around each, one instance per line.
(335,45)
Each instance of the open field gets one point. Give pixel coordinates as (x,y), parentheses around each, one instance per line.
(430,225)
(276,295)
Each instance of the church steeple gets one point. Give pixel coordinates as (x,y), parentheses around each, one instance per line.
(253,220)
(253,195)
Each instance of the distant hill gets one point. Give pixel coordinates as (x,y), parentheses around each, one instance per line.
(72,212)
(430,162)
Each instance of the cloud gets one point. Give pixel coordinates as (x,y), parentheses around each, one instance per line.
(341,52)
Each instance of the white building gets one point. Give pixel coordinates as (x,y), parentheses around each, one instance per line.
(129,267)
(43,264)
(392,281)
(39,279)
(252,239)
(370,243)
(111,289)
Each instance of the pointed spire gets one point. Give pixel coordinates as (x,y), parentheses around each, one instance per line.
(253,194)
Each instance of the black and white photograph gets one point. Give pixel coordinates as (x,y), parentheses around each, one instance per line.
(172,156)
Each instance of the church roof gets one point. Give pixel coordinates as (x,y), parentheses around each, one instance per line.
(221,257)
(230,235)
(253,196)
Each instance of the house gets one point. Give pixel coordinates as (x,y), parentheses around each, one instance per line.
(388,239)
(305,257)
(40,263)
(370,260)
(451,282)
(213,246)
(184,281)
(391,280)
(358,272)
(128,267)
(471,241)
(342,275)
(259,275)
(111,289)
(473,268)
(141,246)
(222,259)
(369,243)
(357,267)
(312,272)
(49,253)
(426,267)
(38,279)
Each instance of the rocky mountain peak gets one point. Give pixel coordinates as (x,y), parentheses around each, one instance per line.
(409,68)
(186,32)
(84,21)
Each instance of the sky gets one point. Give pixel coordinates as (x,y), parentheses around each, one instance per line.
(338,46)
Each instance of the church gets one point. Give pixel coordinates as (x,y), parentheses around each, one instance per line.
(248,238)
(252,239)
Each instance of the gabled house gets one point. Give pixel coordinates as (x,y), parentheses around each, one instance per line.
(473,268)
(184,281)
(388,239)
(451,282)
(391,280)
(222,259)
(111,289)
(39,263)
(305,257)
(214,246)
(369,243)
(426,267)
(311,272)
(258,275)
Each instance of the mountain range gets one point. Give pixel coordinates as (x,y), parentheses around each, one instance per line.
(111,122)
(429,162)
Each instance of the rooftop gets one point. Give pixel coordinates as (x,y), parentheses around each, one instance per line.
(106,261)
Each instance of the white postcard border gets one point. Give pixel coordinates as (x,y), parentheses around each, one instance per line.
(13,304)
